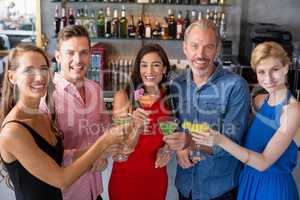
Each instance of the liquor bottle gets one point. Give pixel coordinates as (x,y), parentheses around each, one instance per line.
(186,2)
(92,24)
(178,2)
(79,15)
(221,2)
(171,25)
(179,26)
(56,21)
(123,24)
(164,32)
(163,1)
(108,20)
(115,25)
(64,19)
(85,12)
(131,28)
(85,18)
(223,26)
(193,17)
(186,21)
(148,31)
(71,17)
(101,24)
(199,15)
(207,14)
(156,32)
(211,15)
(213,2)
(140,28)
(215,17)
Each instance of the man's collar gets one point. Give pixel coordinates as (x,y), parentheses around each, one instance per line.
(61,81)
(188,75)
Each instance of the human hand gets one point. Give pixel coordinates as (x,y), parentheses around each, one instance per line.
(141,117)
(163,156)
(111,150)
(183,158)
(116,134)
(99,165)
(177,140)
(206,138)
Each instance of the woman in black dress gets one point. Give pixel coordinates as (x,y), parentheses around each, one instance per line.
(30,146)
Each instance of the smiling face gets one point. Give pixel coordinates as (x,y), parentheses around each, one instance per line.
(152,69)
(74,58)
(32,75)
(271,74)
(201,48)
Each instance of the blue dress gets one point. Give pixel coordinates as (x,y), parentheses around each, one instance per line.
(276,182)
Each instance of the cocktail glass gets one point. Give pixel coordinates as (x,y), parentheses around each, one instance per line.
(121,157)
(198,149)
(146,101)
(167,126)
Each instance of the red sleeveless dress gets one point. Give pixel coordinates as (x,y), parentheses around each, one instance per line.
(137,178)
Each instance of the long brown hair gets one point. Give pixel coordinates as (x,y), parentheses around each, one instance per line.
(9,99)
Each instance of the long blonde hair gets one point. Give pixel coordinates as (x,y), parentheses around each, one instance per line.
(9,99)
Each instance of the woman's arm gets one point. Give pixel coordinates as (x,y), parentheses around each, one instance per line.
(16,142)
(122,106)
(289,122)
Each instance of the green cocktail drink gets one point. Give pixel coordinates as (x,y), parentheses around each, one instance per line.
(167,127)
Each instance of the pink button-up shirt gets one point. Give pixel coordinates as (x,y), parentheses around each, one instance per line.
(81,123)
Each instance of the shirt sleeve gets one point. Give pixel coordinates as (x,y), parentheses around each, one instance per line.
(234,120)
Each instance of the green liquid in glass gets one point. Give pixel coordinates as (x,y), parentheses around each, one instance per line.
(168,127)
(121,121)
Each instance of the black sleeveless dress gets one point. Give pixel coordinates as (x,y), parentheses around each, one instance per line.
(27,186)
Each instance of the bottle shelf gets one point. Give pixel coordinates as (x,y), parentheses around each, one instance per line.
(150,3)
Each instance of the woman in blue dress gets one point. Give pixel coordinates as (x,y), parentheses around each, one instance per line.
(269,152)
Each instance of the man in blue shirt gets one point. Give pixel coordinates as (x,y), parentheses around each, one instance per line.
(208,93)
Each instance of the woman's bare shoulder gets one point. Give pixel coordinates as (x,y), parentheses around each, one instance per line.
(258,101)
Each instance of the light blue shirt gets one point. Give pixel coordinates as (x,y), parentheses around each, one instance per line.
(224,103)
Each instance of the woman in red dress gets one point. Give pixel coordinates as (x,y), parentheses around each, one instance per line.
(144,175)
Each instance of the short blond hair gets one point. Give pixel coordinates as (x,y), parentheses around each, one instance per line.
(266,50)
(203,24)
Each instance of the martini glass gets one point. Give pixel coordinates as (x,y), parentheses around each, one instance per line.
(146,101)
(122,157)
(198,149)
(167,126)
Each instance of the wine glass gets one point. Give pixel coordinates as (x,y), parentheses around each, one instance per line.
(167,126)
(117,121)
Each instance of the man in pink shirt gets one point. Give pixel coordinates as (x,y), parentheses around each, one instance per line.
(79,109)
